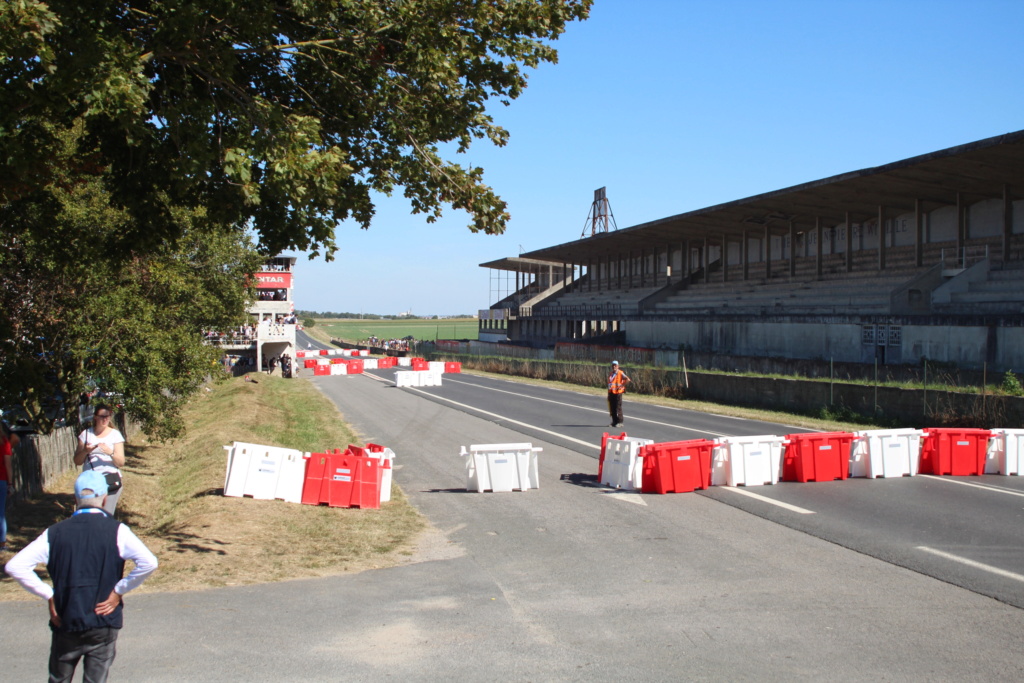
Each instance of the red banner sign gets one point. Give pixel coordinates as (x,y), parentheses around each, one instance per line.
(273,280)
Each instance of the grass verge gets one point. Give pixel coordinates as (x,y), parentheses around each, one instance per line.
(173,498)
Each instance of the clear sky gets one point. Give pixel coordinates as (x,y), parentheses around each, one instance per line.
(676,105)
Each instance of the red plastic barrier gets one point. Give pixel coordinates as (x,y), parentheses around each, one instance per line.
(313,490)
(387,362)
(321,369)
(366,487)
(419,364)
(452,366)
(310,362)
(604,442)
(959,452)
(677,466)
(355,367)
(817,456)
(323,352)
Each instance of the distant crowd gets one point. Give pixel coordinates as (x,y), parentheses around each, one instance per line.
(389,344)
(247,333)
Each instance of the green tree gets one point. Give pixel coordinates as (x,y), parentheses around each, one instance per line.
(281,116)
(142,141)
(76,311)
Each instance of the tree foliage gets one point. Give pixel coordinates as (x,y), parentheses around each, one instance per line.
(77,314)
(283,115)
(142,141)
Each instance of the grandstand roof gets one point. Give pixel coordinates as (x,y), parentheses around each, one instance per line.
(977,170)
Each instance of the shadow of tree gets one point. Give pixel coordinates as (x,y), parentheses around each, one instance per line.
(191,543)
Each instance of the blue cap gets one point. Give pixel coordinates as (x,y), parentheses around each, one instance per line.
(93,481)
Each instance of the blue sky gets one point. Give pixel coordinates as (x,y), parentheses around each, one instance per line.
(676,105)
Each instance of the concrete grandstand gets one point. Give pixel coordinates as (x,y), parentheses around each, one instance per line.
(920,258)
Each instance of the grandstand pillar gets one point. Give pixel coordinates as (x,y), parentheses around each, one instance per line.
(705,259)
(849,243)
(723,259)
(1007,222)
(817,251)
(792,249)
(744,256)
(767,253)
(881,237)
(961,230)
(918,232)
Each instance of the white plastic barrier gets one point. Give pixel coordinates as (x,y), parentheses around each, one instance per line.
(750,460)
(339,369)
(407,378)
(387,461)
(886,452)
(1006,447)
(429,378)
(405,361)
(623,469)
(369,364)
(436,366)
(264,472)
(501,467)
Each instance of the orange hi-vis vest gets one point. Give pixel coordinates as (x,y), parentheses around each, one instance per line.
(616,384)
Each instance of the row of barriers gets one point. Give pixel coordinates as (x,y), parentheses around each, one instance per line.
(356,477)
(332,352)
(680,466)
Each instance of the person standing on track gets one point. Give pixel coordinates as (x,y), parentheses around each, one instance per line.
(617,382)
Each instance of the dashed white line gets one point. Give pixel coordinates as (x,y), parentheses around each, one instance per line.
(971,563)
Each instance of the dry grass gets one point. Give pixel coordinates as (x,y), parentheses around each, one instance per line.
(173,498)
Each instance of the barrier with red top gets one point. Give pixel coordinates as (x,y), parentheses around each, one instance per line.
(313,490)
(604,444)
(817,456)
(959,452)
(677,466)
(349,478)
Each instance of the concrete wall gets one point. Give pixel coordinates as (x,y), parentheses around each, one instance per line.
(996,348)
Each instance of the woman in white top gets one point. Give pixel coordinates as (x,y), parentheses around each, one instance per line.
(101,448)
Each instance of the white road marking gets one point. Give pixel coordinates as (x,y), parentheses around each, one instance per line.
(971,563)
(996,489)
(591,410)
(634,498)
(763,499)
(506,419)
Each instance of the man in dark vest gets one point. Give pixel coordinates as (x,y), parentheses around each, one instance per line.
(84,556)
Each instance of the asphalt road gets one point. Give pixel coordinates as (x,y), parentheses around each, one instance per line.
(968,531)
(572,581)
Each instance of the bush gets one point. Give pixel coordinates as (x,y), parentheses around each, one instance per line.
(309,322)
(1011,385)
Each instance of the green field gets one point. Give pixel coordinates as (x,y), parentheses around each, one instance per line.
(423,330)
